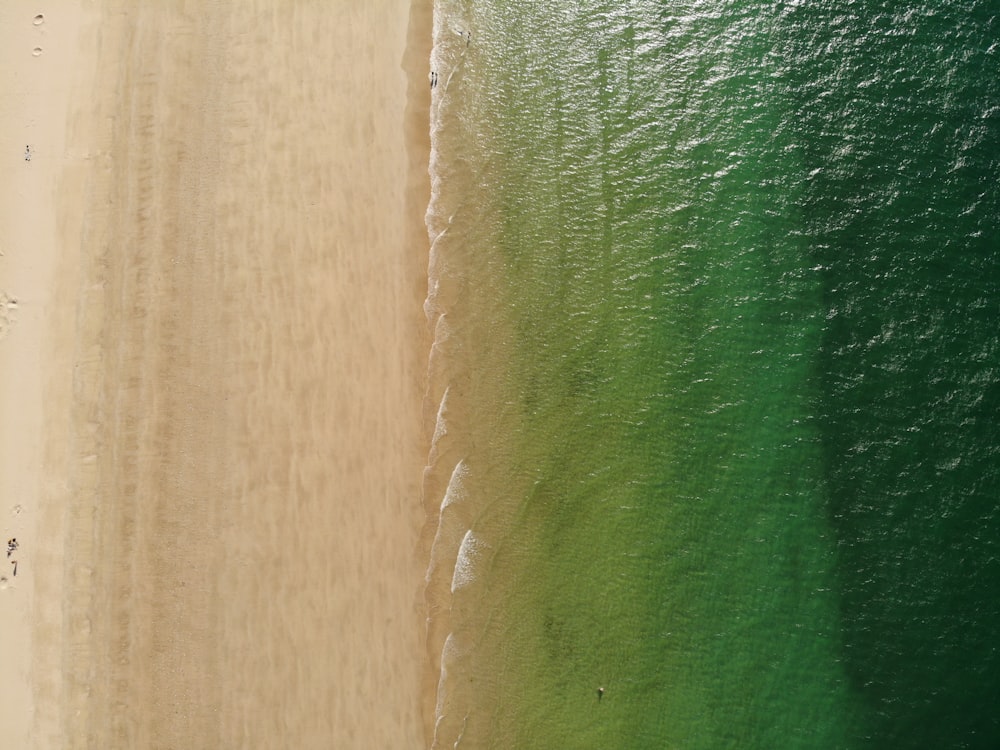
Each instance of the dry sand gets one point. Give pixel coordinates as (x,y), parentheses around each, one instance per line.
(212,359)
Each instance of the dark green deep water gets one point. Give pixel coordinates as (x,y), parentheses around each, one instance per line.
(721,292)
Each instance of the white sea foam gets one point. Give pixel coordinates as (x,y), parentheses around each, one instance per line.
(441,424)
(432,306)
(469,555)
(430,301)
(442,331)
(456,485)
(437,360)
(446,542)
(449,654)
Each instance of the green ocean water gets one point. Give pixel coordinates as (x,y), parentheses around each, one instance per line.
(715,288)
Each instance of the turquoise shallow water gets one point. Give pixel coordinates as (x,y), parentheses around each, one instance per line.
(716,371)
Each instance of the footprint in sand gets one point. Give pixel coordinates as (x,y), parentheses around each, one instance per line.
(38,20)
(8,313)
(36,51)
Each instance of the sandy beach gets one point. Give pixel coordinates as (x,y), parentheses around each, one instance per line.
(212,366)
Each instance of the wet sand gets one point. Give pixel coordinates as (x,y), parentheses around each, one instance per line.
(212,388)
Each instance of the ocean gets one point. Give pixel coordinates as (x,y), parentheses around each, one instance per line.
(715,289)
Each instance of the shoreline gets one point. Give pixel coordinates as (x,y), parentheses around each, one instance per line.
(232,508)
(415,62)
